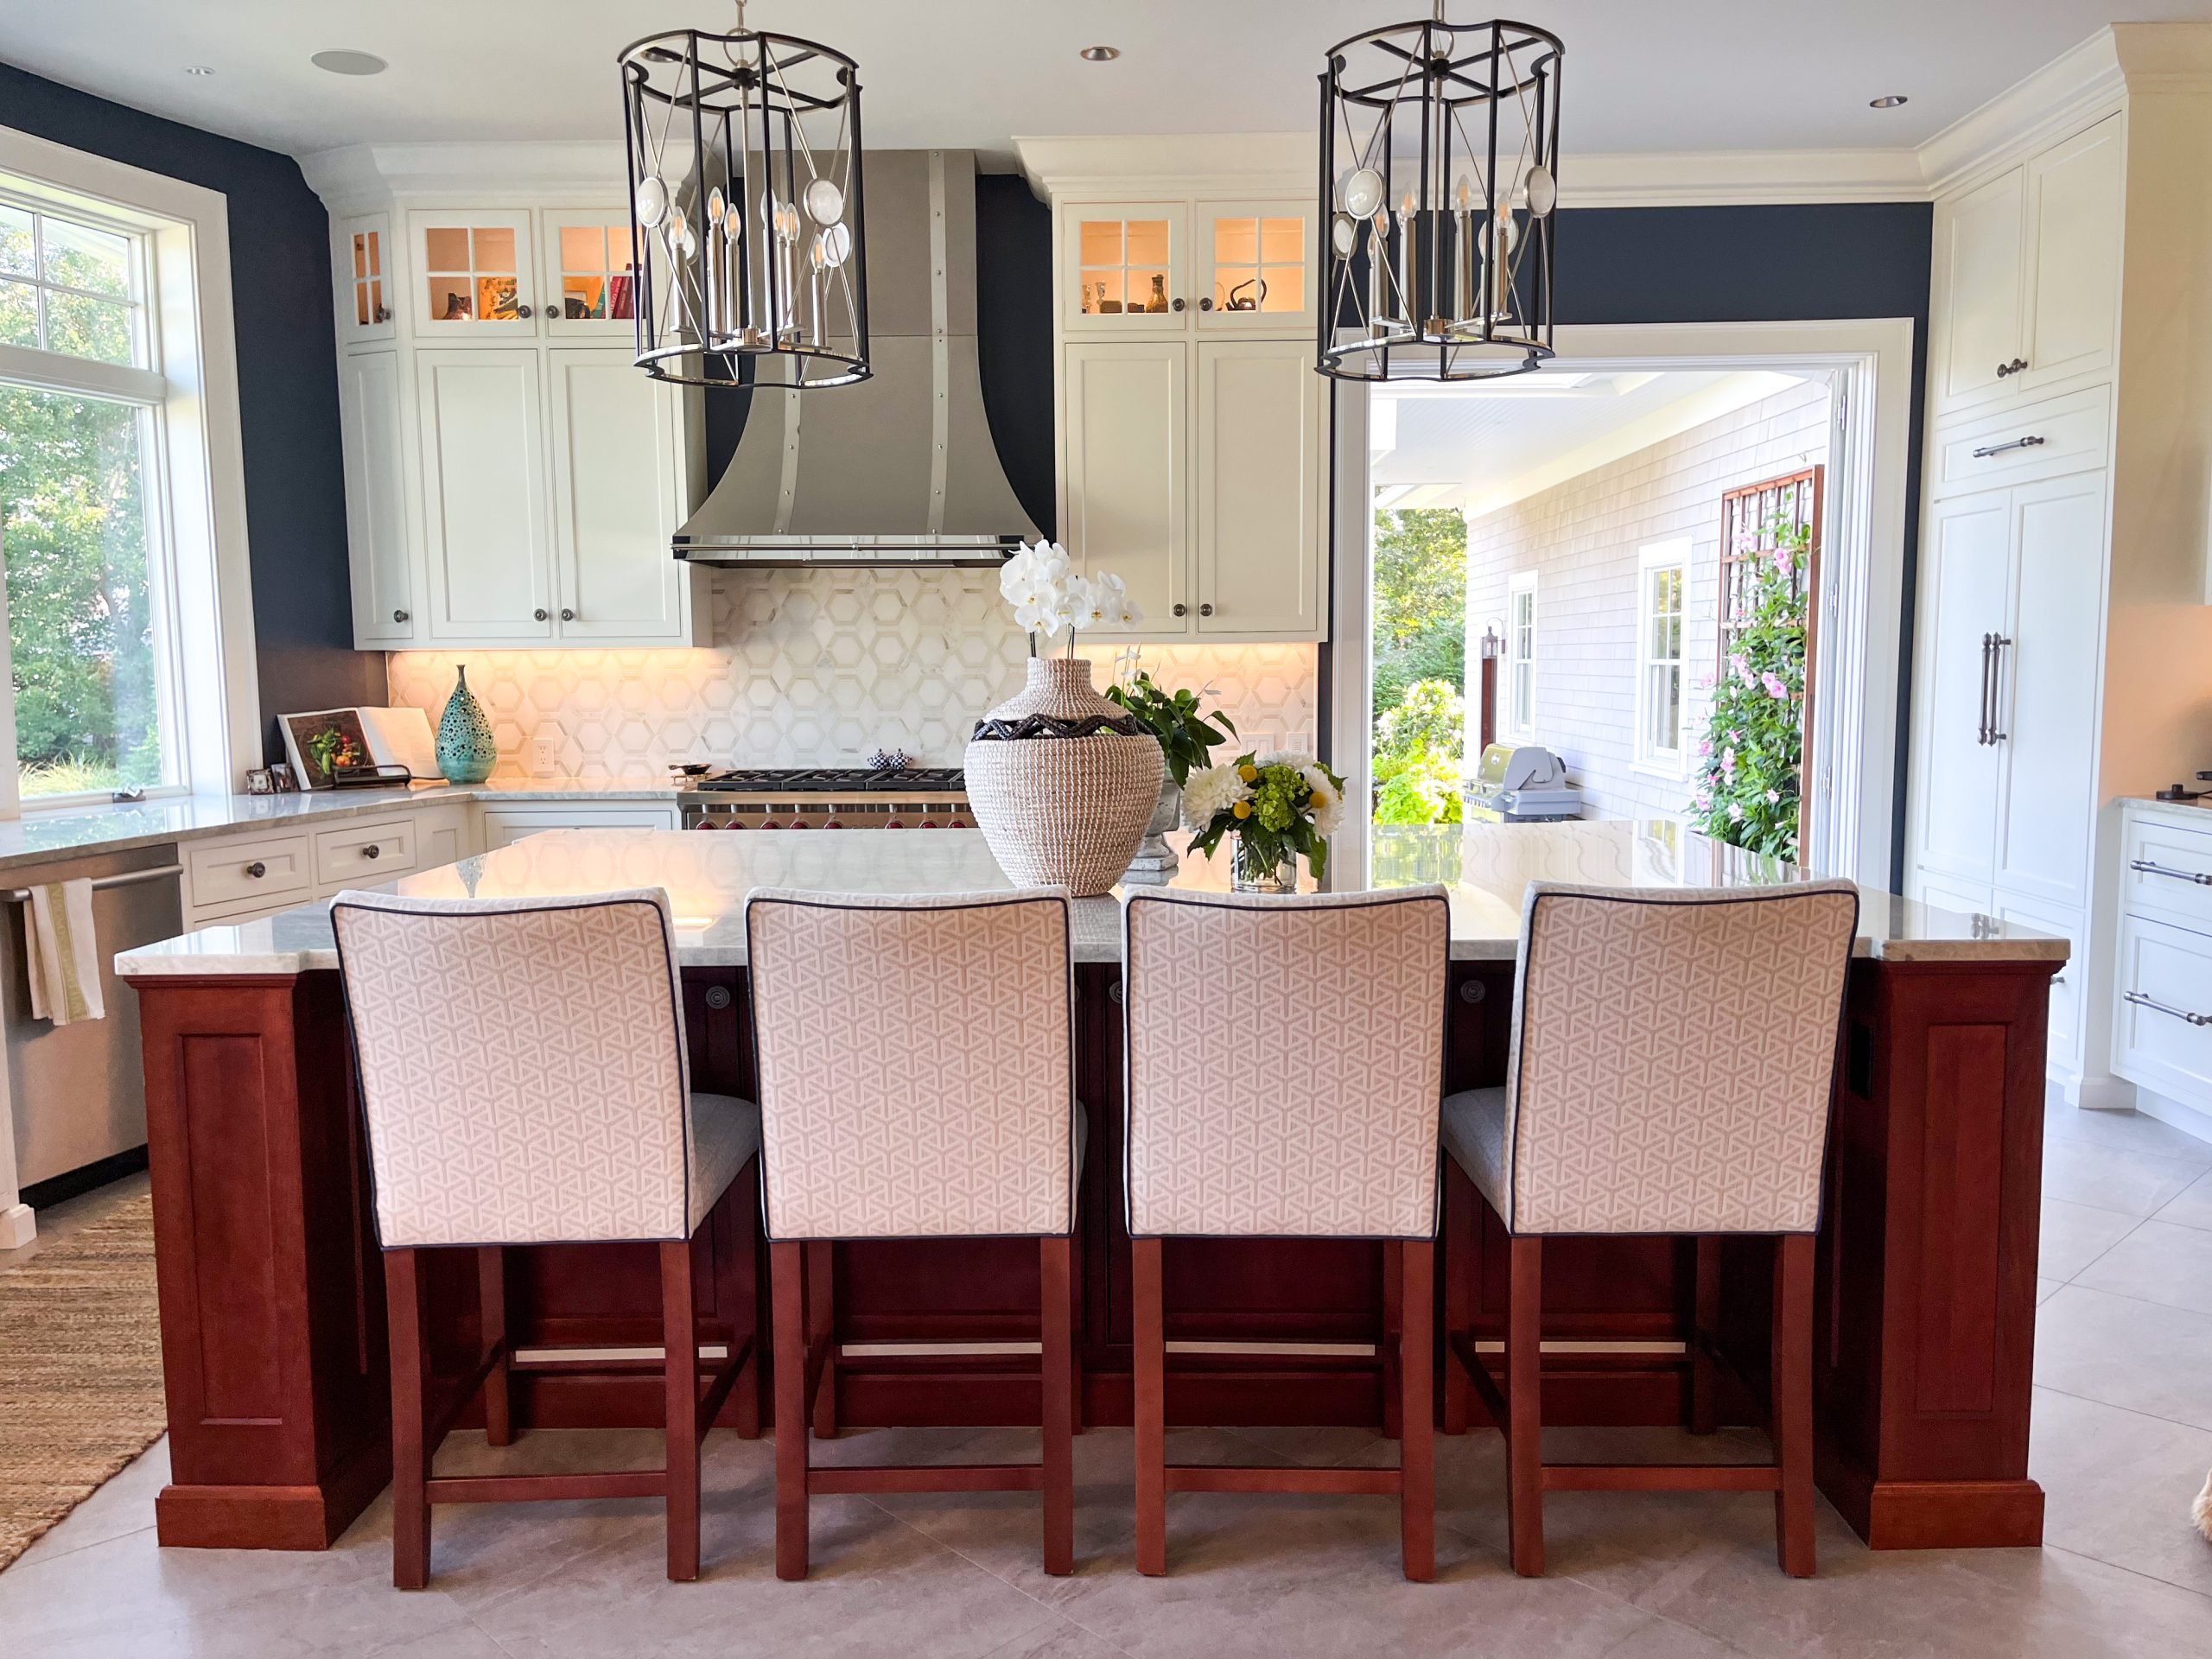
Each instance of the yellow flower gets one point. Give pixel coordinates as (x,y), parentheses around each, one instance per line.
(1250,775)
(1242,809)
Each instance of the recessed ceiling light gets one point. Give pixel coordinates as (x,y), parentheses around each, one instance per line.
(1888,101)
(197,69)
(349,63)
(1099,54)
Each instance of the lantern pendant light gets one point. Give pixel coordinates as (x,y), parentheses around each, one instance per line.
(748,240)
(1439,175)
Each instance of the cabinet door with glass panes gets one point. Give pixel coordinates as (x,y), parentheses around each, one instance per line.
(367,274)
(1254,266)
(1124,268)
(590,278)
(471,276)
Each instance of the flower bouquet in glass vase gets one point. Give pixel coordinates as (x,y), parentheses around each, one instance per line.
(1278,806)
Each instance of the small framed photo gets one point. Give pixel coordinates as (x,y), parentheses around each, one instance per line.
(259,782)
(281,781)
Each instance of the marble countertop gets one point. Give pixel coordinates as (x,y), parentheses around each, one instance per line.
(1487,868)
(41,837)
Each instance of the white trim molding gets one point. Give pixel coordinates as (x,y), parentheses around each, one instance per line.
(556,172)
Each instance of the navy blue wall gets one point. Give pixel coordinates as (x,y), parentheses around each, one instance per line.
(287,384)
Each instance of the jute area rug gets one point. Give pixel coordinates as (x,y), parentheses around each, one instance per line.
(80,1370)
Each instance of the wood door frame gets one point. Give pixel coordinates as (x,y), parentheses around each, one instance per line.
(1869,363)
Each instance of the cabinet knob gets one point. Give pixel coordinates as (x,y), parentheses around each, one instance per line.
(522,310)
(257,869)
(2013,367)
(538,615)
(1176,304)
(1181,609)
(399,616)
(1206,610)
(1206,303)
(568,615)
(374,849)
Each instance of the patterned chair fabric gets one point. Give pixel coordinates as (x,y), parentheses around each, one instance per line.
(1285,1062)
(522,1071)
(1674,1055)
(916,1059)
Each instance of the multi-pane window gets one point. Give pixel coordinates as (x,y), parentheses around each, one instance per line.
(1521,656)
(79,507)
(1662,581)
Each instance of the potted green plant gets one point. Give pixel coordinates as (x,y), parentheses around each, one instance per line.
(1188,736)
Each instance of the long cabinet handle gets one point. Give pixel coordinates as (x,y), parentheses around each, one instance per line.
(1981,724)
(1997,644)
(2029,443)
(2157,1007)
(2149,868)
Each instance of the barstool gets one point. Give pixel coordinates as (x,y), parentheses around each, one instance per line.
(523,1079)
(1673,1059)
(1285,1064)
(916,1071)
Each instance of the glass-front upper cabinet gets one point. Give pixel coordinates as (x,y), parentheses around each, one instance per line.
(1124,268)
(590,283)
(1255,261)
(471,275)
(364,274)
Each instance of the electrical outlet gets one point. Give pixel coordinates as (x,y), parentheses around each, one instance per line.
(545,752)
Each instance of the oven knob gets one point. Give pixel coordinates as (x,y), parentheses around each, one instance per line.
(958,823)
(895,824)
(735,823)
(704,823)
(801,823)
(770,823)
(929,824)
(834,823)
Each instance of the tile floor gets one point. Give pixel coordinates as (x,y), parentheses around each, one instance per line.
(2123,1439)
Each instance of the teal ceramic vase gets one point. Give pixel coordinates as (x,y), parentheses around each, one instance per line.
(466,750)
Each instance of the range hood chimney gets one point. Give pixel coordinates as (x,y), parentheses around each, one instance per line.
(899,470)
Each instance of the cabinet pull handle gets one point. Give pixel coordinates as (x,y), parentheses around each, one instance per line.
(1181,609)
(568,615)
(399,616)
(1982,724)
(257,869)
(1997,644)
(2157,1007)
(2148,867)
(1989,449)
(2012,368)
(1206,610)
(538,615)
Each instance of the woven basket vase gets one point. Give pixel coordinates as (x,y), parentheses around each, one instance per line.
(1062,781)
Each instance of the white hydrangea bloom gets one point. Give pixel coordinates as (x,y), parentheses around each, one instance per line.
(1210,792)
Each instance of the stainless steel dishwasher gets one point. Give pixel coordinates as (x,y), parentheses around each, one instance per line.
(79,1090)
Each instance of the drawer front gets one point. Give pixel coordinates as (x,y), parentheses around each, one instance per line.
(364,851)
(2069,433)
(2166,870)
(247,874)
(2162,1022)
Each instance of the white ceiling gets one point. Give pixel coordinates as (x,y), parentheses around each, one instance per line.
(1481,446)
(1641,75)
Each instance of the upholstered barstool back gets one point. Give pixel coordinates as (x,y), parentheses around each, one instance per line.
(1286,1060)
(1673,1058)
(916,1063)
(523,1071)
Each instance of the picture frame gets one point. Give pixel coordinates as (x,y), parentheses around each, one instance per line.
(308,735)
(259,782)
(281,781)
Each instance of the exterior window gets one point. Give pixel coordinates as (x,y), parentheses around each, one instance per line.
(80,502)
(1521,656)
(1662,581)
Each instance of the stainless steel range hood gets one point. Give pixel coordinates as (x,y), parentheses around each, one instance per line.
(899,470)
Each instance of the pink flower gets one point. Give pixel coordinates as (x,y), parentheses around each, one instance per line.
(1782,562)
(1728,762)
(1735,813)
(1773,796)
(1740,668)
(1704,745)
(1775,688)
(1735,737)
(1747,542)
(1705,681)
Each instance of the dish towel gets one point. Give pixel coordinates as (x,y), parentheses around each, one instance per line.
(65,954)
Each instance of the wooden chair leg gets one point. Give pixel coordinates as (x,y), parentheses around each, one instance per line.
(1458,1248)
(1394,1325)
(742,1286)
(1417,1414)
(1057,1419)
(821,1327)
(1792,1409)
(1150,1361)
(410,1457)
(679,1335)
(1524,1413)
(491,1318)
(1705,1322)
(787,1267)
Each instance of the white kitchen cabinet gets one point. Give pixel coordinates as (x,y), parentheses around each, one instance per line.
(617,458)
(482,418)
(1258,498)
(1977,290)
(1124,451)
(589,281)
(1255,262)
(472,274)
(1964,580)
(1124,269)
(374,432)
(503,824)
(365,268)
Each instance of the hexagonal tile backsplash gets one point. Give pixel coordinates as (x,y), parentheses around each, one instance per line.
(819,667)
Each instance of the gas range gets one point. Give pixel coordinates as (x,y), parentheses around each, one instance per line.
(828,798)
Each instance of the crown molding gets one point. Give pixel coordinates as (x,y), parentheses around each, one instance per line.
(1740,178)
(359,174)
(1104,165)
(2067,92)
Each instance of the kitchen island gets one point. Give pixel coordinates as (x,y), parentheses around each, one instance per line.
(272,1309)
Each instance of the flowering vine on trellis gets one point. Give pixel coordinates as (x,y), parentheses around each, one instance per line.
(1754,749)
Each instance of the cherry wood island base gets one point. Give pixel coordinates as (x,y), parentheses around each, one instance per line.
(272,1298)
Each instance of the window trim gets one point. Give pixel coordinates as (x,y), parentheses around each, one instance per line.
(1648,758)
(1521,582)
(198,518)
